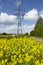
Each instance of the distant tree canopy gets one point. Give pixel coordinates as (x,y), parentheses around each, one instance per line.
(4,33)
(38,30)
(26,34)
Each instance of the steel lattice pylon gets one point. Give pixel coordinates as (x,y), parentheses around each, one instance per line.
(19,30)
(19,16)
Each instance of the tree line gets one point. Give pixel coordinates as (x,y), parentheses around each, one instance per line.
(38,30)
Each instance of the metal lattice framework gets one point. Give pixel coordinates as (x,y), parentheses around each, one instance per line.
(19,30)
(19,16)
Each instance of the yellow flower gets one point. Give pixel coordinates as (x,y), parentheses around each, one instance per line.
(42,61)
(20,50)
(41,64)
(1,53)
(20,61)
(28,58)
(15,62)
(19,55)
(23,50)
(37,62)
(3,62)
(6,60)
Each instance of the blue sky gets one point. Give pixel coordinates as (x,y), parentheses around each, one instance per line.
(33,9)
(9,5)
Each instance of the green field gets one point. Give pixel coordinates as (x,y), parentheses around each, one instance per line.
(21,51)
(5,36)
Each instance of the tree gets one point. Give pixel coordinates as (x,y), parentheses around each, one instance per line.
(38,30)
(4,33)
(39,23)
(26,34)
(32,33)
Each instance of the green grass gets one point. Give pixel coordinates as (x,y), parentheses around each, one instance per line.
(6,36)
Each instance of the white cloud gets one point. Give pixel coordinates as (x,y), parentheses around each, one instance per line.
(13,28)
(41,13)
(31,15)
(12,19)
(7,19)
(8,29)
(27,28)
(7,22)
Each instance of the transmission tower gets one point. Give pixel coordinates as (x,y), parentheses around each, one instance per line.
(19,28)
(19,15)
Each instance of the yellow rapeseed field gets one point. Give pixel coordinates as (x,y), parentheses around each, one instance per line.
(21,51)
